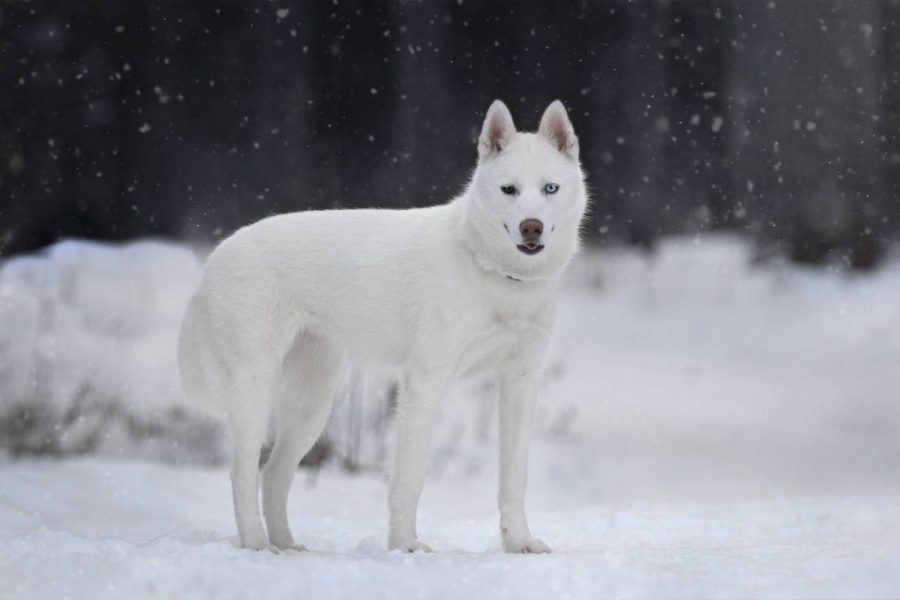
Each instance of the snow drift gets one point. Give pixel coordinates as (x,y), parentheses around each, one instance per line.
(692,369)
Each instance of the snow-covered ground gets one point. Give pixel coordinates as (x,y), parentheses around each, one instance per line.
(99,528)
(709,428)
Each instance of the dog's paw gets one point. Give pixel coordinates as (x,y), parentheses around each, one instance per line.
(285,544)
(256,542)
(526,546)
(409,546)
(288,548)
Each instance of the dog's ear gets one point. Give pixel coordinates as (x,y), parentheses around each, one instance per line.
(557,129)
(497,130)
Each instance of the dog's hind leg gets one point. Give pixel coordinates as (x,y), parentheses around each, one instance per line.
(248,412)
(304,394)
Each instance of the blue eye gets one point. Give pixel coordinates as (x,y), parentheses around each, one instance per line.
(551,188)
(509,190)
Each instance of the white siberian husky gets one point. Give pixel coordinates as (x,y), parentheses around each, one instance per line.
(433,293)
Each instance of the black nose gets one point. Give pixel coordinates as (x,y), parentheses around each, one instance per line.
(531,230)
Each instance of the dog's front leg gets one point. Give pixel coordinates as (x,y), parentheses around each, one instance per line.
(518,397)
(416,407)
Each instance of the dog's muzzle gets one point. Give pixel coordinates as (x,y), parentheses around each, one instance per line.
(531,230)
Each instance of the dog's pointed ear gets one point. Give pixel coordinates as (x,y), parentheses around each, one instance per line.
(557,129)
(497,130)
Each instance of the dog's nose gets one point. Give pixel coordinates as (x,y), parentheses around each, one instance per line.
(531,230)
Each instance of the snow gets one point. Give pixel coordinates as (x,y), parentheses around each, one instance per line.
(712,425)
(92,528)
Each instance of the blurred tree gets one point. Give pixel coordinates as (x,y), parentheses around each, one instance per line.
(804,127)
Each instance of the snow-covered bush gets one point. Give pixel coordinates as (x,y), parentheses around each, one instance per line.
(698,350)
(87,336)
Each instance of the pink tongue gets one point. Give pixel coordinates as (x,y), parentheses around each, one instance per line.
(531,245)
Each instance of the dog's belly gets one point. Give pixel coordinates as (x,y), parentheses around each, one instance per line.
(381,343)
(468,350)
(376,354)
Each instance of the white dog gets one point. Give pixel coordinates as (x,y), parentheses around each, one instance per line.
(432,293)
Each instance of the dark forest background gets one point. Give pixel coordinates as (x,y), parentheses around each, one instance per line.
(121,119)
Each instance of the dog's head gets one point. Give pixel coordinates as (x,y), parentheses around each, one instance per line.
(528,195)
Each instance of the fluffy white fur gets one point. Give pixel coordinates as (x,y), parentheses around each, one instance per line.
(433,293)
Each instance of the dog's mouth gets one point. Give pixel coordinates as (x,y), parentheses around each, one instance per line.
(530,248)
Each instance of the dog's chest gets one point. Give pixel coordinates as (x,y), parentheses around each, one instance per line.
(498,334)
(488,348)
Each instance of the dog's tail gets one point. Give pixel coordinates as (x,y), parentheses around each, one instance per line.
(192,362)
